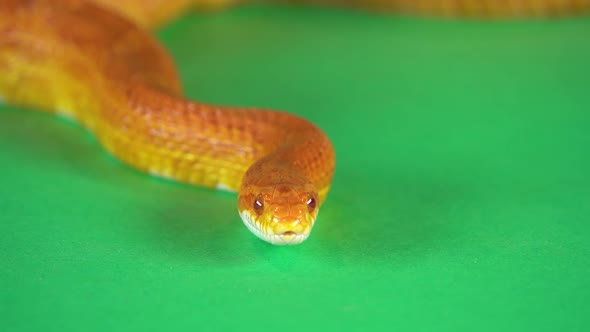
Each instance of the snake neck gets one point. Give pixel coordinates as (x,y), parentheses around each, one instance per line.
(191,142)
(220,147)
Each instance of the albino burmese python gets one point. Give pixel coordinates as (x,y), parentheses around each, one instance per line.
(95,61)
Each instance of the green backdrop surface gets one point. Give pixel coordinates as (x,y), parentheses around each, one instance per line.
(460,202)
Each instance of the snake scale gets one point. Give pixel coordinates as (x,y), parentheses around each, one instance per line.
(96,61)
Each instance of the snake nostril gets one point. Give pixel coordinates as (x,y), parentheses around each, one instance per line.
(288,233)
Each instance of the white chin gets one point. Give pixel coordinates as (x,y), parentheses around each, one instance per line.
(281,240)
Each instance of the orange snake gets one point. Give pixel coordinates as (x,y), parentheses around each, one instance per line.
(95,62)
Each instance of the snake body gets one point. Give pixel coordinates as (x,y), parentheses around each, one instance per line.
(94,61)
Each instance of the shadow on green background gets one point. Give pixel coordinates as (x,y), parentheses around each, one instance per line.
(460,200)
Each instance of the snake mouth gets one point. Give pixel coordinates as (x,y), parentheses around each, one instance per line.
(286,238)
(289,238)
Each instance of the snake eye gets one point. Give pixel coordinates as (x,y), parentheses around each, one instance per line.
(311,204)
(259,204)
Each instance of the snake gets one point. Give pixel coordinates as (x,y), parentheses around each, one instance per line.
(97,62)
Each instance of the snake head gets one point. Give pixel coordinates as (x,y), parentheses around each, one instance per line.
(280,210)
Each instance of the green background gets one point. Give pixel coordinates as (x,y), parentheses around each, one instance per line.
(460,202)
